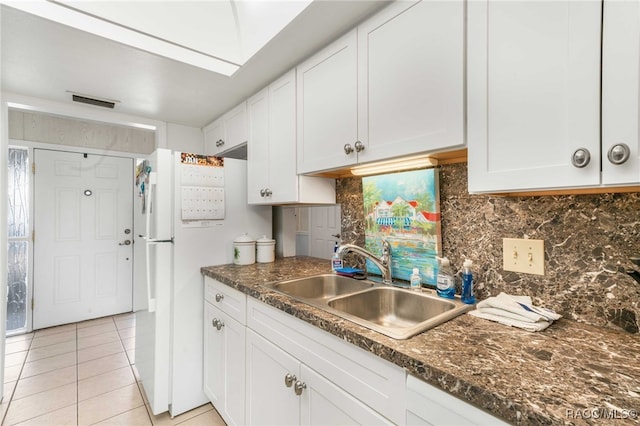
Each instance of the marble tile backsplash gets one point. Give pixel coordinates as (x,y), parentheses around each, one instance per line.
(588,242)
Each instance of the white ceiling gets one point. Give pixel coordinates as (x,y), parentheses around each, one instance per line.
(45,59)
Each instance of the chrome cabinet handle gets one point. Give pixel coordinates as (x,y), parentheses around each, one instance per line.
(219,297)
(299,387)
(348,149)
(359,146)
(125,243)
(217,324)
(581,158)
(619,153)
(289,379)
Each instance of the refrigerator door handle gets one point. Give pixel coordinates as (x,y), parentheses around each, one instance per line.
(151,301)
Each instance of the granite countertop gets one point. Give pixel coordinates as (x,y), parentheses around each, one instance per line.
(557,376)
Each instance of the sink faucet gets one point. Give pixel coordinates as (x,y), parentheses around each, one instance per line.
(383,263)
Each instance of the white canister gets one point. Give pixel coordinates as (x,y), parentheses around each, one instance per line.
(266,250)
(244,250)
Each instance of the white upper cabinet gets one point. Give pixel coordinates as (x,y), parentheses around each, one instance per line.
(621,93)
(227,132)
(328,106)
(411,79)
(271,151)
(534,94)
(392,87)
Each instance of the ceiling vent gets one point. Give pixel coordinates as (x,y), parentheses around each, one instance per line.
(93,101)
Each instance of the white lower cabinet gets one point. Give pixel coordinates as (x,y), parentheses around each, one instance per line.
(224,350)
(269,400)
(265,367)
(283,391)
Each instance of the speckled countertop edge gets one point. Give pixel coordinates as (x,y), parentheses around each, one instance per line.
(558,376)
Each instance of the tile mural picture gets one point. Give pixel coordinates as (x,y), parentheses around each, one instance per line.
(404,209)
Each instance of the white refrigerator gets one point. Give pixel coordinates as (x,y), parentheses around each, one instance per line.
(189,211)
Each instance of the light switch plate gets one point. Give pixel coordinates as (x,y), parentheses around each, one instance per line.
(523,255)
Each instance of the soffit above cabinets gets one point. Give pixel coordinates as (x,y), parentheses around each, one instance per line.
(106,50)
(217,35)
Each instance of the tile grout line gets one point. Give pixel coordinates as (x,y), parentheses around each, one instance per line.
(17,381)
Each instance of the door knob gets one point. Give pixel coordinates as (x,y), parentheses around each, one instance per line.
(348,149)
(299,387)
(619,153)
(125,243)
(289,379)
(581,158)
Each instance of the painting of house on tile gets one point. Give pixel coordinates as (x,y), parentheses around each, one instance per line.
(404,209)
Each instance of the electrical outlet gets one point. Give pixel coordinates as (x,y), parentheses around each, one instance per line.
(522,255)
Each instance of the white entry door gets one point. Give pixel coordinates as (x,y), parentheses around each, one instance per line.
(324,230)
(83,237)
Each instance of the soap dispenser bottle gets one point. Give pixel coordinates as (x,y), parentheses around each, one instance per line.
(415,280)
(336,261)
(467,283)
(445,285)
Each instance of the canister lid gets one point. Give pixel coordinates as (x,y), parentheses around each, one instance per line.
(265,241)
(244,238)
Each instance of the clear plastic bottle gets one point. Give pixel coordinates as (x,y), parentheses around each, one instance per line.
(467,283)
(336,262)
(415,280)
(445,284)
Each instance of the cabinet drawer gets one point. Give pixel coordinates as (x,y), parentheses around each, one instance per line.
(369,378)
(232,302)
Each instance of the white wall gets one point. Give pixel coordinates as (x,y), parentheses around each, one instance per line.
(185,139)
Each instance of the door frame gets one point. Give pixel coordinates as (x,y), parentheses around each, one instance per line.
(31,146)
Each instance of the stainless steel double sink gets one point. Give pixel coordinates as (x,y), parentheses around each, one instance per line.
(395,312)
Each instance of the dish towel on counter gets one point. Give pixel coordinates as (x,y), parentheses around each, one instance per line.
(516,311)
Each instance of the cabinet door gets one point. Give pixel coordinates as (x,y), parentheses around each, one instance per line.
(213,137)
(213,356)
(258,147)
(411,79)
(269,400)
(224,366)
(620,90)
(235,126)
(283,178)
(323,403)
(533,93)
(327,106)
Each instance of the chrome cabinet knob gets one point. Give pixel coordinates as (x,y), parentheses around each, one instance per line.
(218,324)
(125,243)
(267,192)
(581,158)
(219,297)
(219,143)
(262,192)
(348,149)
(359,146)
(289,379)
(619,153)
(299,387)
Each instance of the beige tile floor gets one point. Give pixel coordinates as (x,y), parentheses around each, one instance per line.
(82,374)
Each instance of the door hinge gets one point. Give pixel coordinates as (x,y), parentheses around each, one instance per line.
(32,304)
(33,168)
(33,236)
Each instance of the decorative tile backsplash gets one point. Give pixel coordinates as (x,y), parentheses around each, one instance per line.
(588,242)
